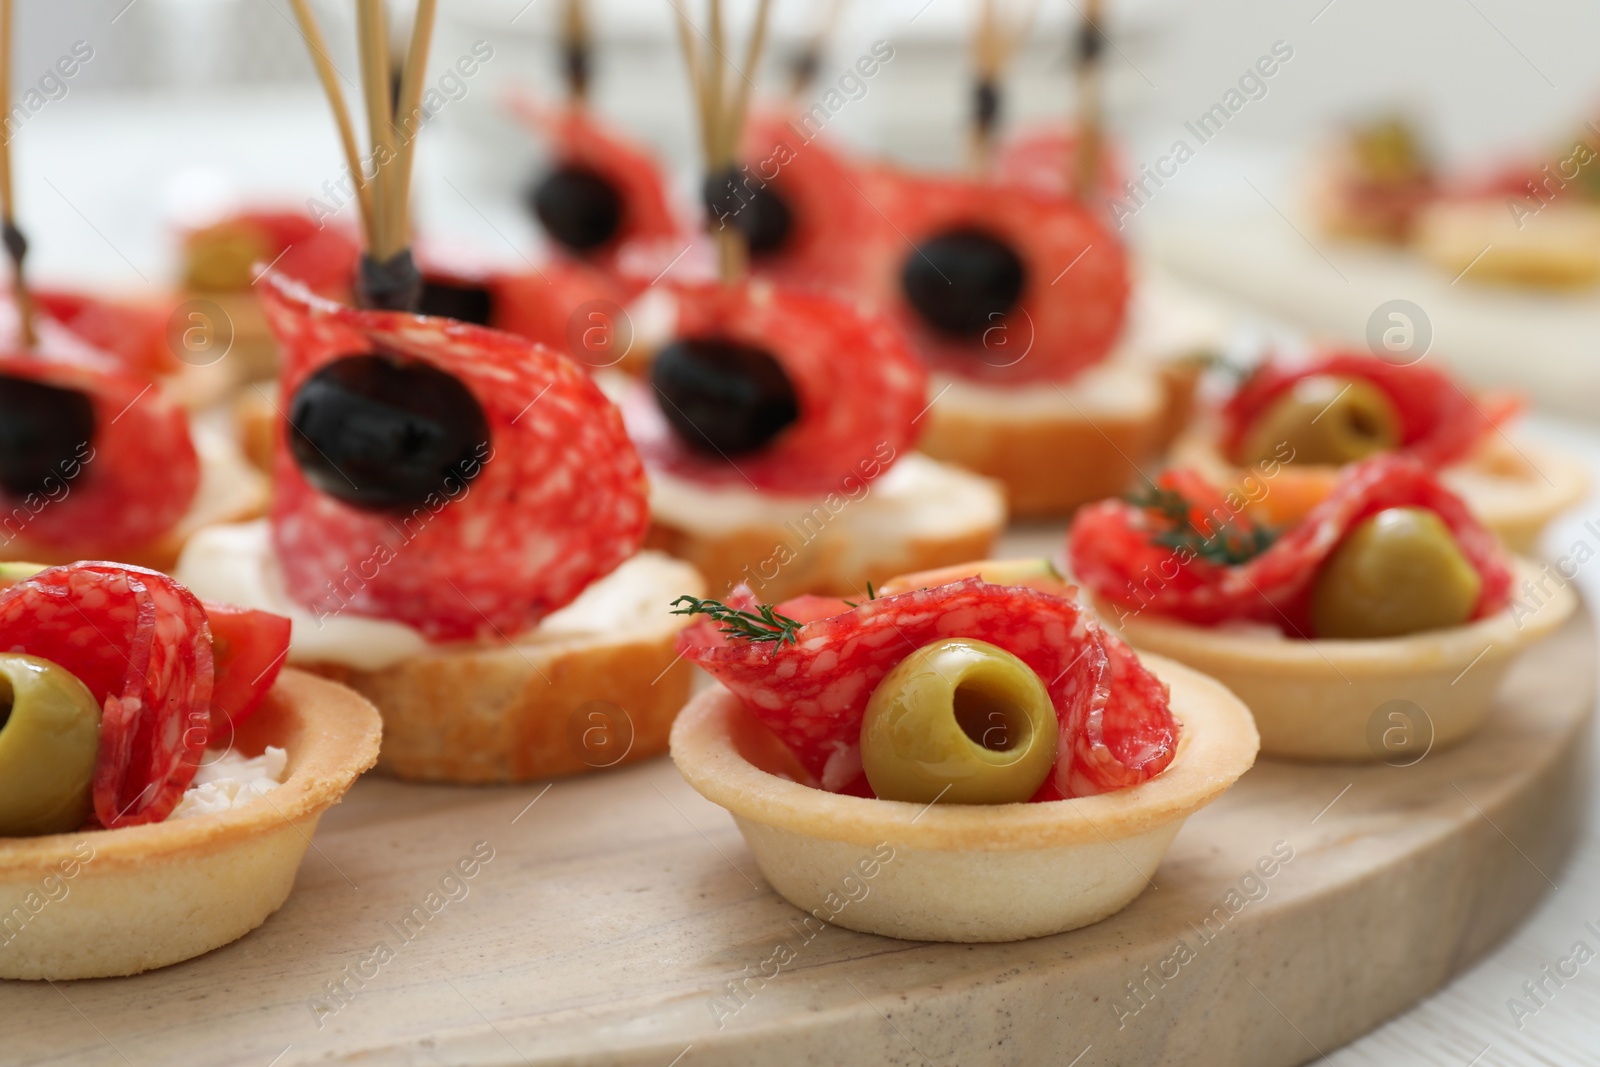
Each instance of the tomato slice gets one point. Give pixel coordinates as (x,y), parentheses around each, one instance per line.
(248,648)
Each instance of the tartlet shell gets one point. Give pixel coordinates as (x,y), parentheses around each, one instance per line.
(1333,700)
(961,873)
(154,895)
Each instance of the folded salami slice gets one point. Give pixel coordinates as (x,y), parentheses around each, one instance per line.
(1114,548)
(577,139)
(1045,159)
(141,644)
(1440,422)
(126,483)
(559,500)
(134,333)
(1116,727)
(859,389)
(1075,286)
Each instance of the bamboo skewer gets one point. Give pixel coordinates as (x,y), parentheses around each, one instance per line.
(341,113)
(373,36)
(808,60)
(410,109)
(16,244)
(576,49)
(721,112)
(1091,100)
(994,47)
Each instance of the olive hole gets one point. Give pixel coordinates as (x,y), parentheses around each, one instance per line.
(988,718)
(1363,425)
(7,700)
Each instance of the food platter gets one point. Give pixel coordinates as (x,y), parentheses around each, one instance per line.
(619,918)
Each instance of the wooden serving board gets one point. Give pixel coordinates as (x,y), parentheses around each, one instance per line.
(613,912)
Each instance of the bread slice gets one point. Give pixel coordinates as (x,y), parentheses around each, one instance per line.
(919,515)
(596,685)
(230,490)
(1481,240)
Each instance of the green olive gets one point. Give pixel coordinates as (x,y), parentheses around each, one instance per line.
(1325,420)
(962,722)
(1398,572)
(49,738)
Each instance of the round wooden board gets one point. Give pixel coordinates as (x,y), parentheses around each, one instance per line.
(616,911)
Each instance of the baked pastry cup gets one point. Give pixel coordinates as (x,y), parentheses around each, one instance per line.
(1515,490)
(104,903)
(973,873)
(1383,699)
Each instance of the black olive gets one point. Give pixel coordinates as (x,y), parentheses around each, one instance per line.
(452,300)
(757,210)
(723,397)
(44,431)
(383,434)
(961,281)
(579,208)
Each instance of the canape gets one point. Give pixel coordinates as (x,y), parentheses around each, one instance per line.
(1303,419)
(161,780)
(1374,183)
(1374,628)
(959,759)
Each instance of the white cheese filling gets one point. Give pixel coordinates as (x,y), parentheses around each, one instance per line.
(227,780)
(236,564)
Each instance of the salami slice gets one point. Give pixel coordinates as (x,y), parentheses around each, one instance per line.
(136,334)
(1440,423)
(1112,549)
(560,499)
(1075,288)
(141,644)
(319,253)
(1116,727)
(577,138)
(1045,159)
(859,388)
(835,234)
(128,482)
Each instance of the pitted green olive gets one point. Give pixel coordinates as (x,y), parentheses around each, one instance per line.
(962,722)
(49,738)
(1325,420)
(1398,572)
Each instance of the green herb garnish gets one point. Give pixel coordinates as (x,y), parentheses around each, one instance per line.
(762,624)
(1236,541)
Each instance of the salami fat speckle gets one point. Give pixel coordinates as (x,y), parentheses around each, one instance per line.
(130,482)
(560,499)
(1116,727)
(1440,423)
(858,385)
(141,644)
(1110,549)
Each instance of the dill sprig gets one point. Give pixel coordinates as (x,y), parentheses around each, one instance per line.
(1231,544)
(762,624)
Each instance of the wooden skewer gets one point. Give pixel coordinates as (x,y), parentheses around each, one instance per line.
(734,121)
(697,80)
(341,113)
(803,70)
(1091,103)
(993,50)
(576,47)
(387,240)
(416,65)
(16,244)
(716,71)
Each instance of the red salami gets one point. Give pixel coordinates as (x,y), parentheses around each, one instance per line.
(1116,727)
(539,304)
(835,233)
(1045,160)
(858,385)
(130,482)
(559,501)
(141,644)
(1075,291)
(1111,549)
(577,139)
(1440,423)
(136,334)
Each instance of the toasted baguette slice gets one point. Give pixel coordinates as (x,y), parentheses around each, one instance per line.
(919,515)
(230,490)
(593,685)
